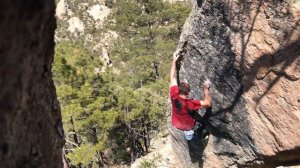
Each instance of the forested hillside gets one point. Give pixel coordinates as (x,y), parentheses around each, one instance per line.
(113,90)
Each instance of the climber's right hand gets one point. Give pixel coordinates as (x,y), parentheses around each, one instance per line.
(207,84)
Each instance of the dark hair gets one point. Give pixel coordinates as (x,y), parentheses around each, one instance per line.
(184,88)
(178,105)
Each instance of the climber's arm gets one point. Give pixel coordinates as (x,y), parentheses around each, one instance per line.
(206,103)
(173,80)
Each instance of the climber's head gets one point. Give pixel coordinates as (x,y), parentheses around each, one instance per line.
(184,88)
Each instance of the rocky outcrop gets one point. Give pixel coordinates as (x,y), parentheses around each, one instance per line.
(30,120)
(84,22)
(251,52)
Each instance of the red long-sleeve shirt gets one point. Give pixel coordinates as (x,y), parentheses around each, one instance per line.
(180,117)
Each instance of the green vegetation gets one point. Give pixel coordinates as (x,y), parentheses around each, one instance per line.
(114,114)
(151,163)
(86,100)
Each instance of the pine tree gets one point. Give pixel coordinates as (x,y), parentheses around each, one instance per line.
(118,111)
(149,31)
(86,100)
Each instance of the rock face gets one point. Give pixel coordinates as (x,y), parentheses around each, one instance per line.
(251,52)
(30,121)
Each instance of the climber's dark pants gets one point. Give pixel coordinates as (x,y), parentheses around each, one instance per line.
(195,144)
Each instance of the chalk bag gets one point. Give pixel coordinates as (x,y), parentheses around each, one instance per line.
(189,134)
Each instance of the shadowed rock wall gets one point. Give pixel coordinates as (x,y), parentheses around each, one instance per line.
(30,120)
(251,52)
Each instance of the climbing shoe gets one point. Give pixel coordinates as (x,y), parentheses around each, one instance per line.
(205,137)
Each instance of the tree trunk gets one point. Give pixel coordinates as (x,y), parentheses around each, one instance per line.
(145,137)
(104,160)
(75,136)
(130,139)
(131,142)
(65,162)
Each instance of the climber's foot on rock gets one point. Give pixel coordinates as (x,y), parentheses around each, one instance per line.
(205,137)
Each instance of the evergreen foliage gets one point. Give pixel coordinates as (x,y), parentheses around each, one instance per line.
(114,114)
(86,100)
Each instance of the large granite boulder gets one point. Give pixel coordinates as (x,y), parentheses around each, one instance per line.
(250,50)
(30,121)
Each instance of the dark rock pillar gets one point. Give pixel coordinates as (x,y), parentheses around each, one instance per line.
(250,50)
(30,121)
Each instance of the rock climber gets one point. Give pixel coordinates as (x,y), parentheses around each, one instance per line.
(185,110)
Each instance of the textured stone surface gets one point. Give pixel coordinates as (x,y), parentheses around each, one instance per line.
(251,52)
(30,121)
